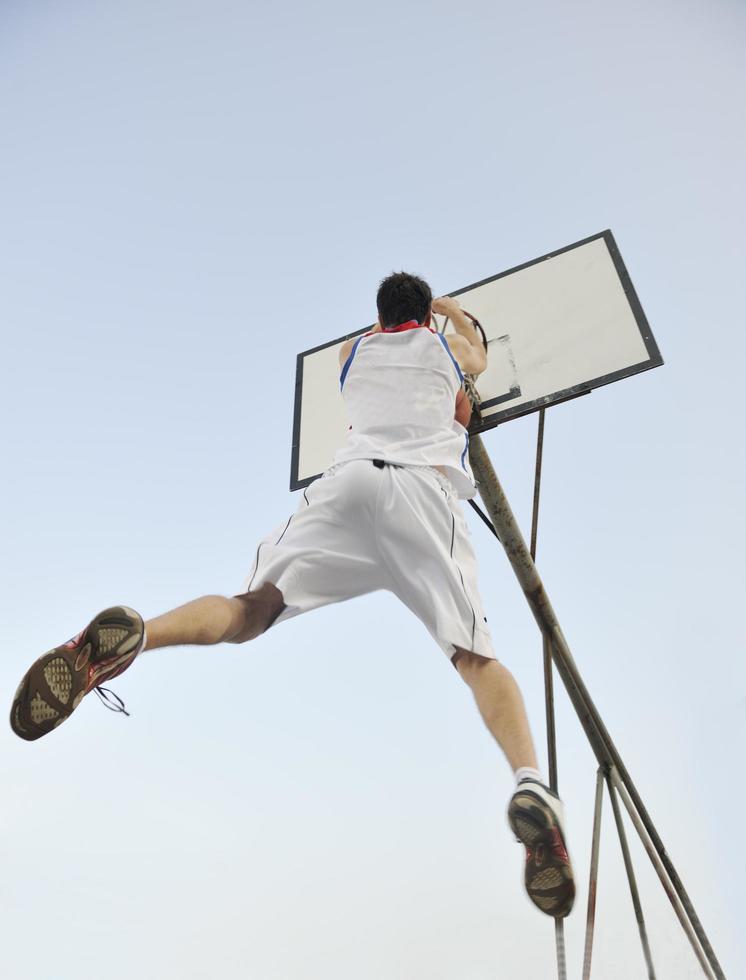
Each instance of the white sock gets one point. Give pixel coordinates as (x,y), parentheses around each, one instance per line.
(526,772)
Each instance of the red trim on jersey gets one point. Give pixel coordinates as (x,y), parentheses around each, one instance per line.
(409,325)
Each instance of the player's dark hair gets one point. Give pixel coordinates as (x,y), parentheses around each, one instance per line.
(402,297)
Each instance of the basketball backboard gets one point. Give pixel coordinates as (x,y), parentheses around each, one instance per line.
(557,327)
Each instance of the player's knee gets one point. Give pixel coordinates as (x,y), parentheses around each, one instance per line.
(259,610)
(468,664)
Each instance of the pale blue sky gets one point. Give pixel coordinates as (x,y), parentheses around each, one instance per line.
(190,193)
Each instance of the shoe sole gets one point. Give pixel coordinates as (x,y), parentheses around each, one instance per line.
(57,682)
(548,877)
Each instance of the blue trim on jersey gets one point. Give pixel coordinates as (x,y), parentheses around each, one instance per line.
(466,449)
(348,362)
(444,342)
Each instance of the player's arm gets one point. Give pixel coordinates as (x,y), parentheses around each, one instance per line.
(466,344)
(463,408)
(345,350)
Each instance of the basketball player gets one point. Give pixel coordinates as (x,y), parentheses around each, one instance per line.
(384,516)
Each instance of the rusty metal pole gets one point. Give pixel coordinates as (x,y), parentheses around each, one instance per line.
(548,676)
(665,879)
(590,921)
(559,925)
(634,891)
(603,747)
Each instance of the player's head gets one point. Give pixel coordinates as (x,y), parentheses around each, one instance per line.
(402,297)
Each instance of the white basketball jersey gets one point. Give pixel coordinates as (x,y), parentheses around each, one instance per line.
(399,389)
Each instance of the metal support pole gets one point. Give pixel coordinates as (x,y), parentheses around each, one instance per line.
(537,484)
(590,921)
(548,676)
(528,577)
(559,942)
(631,879)
(549,710)
(665,879)
(559,925)
(518,554)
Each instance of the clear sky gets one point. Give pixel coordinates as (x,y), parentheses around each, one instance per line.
(191,193)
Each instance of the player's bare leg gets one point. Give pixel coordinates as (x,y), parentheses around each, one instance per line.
(216,619)
(535,812)
(501,706)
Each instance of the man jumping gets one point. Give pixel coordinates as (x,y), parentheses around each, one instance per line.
(384,516)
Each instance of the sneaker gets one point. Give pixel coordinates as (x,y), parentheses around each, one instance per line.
(55,685)
(536,817)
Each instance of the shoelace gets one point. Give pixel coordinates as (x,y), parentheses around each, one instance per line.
(111,700)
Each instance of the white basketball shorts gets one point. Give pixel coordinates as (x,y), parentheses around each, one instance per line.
(362,527)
